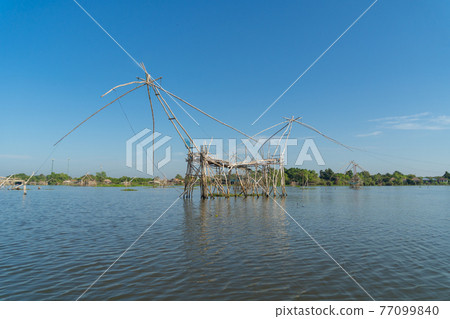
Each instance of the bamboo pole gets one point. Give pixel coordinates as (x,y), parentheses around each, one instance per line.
(175,118)
(158,96)
(97,112)
(204,113)
(203,177)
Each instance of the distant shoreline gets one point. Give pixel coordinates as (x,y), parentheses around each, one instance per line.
(293,177)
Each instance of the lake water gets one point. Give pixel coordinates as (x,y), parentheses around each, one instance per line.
(394,241)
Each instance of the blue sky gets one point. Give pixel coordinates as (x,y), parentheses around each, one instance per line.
(382,88)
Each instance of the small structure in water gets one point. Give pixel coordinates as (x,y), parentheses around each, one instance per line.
(87,180)
(356,181)
(222,178)
(12,183)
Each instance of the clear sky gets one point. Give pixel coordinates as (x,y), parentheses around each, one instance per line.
(384,87)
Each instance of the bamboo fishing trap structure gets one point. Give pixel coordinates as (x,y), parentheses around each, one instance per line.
(260,176)
(356,181)
(11,183)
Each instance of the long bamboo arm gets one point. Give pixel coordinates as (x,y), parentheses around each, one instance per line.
(118,86)
(274,134)
(96,113)
(327,137)
(269,128)
(29,178)
(6,180)
(204,113)
(158,96)
(153,118)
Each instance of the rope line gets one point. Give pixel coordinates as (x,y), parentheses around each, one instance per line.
(98,24)
(315,61)
(126,250)
(125,115)
(324,250)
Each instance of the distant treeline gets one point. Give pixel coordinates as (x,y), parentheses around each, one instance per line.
(294,176)
(98,179)
(298,176)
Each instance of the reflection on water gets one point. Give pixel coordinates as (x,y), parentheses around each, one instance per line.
(393,240)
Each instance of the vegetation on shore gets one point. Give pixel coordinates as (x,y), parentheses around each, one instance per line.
(294,176)
(99,179)
(302,177)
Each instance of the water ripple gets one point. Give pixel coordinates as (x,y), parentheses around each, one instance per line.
(393,240)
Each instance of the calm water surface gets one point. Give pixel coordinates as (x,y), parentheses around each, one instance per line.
(393,240)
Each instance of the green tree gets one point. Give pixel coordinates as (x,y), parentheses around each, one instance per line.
(340,179)
(100,176)
(57,178)
(21,176)
(326,174)
(38,178)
